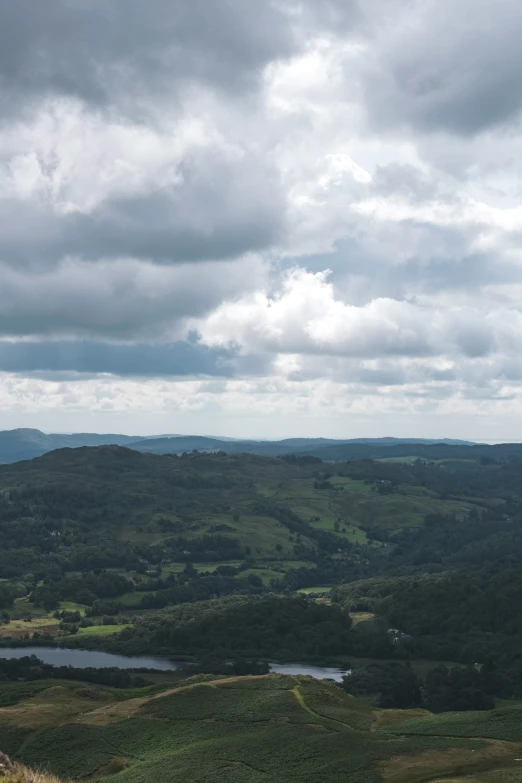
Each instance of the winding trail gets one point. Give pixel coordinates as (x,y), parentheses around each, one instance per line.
(324,718)
(126,709)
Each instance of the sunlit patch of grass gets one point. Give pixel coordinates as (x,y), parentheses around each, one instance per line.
(323,589)
(361,617)
(103,630)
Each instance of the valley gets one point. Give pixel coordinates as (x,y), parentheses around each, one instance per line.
(405,573)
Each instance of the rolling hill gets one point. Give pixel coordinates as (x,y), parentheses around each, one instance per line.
(172,508)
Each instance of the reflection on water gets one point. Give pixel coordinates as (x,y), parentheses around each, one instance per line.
(83,659)
(319,672)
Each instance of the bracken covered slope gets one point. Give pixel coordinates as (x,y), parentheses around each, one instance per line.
(254,729)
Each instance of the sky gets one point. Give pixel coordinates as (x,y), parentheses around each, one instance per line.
(262,218)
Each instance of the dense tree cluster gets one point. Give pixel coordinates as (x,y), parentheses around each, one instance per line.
(442,689)
(30,668)
(254,627)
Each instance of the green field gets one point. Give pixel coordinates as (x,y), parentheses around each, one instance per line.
(277,729)
(284,565)
(177,568)
(102,630)
(356,505)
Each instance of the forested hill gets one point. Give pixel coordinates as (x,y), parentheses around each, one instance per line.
(110,506)
(100,535)
(247,730)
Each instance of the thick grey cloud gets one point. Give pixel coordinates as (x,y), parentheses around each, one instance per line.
(177,176)
(439,65)
(140,359)
(220,208)
(120,300)
(105,51)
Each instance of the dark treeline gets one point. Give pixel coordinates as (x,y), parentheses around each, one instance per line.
(443,688)
(32,668)
(195,589)
(463,615)
(451,541)
(250,626)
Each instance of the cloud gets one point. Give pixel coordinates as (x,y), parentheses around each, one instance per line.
(276,408)
(305,316)
(105,52)
(95,358)
(98,191)
(444,66)
(176,178)
(121,300)
(130,56)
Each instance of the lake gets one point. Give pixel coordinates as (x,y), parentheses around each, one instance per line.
(82,659)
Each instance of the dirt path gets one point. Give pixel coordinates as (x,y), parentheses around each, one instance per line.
(126,709)
(335,724)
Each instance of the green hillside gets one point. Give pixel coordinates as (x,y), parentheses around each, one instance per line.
(149,500)
(109,532)
(243,730)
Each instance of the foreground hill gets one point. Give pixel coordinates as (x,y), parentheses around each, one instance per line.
(275,729)
(271,728)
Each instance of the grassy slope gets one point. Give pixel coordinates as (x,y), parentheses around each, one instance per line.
(246,730)
(356,505)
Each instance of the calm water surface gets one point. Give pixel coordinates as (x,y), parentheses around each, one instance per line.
(82,659)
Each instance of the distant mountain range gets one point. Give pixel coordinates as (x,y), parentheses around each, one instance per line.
(321,447)
(23,444)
